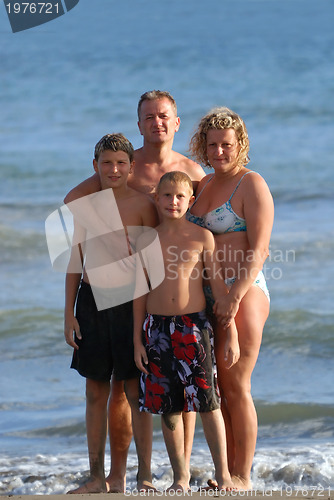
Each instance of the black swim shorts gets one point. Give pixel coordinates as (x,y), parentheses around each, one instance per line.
(181,365)
(106,347)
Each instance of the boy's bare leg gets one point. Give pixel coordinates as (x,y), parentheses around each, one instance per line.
(120,435)
(189,423)
(173,431)
(142,425)
(97,393)
(214,430)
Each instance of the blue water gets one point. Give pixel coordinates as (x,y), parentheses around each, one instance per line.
(65,84)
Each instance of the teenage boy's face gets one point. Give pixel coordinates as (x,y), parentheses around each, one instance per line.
(113,168)
(158,121)
(173,199)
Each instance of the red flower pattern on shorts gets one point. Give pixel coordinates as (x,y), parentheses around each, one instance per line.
(183,346)
(181,365)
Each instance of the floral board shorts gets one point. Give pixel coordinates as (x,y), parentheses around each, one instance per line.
(181,365)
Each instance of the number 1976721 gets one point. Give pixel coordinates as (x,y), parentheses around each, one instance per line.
(32,8)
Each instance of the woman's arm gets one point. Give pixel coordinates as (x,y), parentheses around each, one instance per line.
(219,292)
(259,214)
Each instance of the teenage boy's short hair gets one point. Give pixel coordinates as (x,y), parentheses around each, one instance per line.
(114,142)
(176,177)
(153,95)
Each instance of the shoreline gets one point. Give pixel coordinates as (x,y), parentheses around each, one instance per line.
(298,493)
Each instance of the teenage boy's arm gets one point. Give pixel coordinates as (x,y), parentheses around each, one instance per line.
(139,310)
(139,304)
(219,291)
(72,281)
(150,217)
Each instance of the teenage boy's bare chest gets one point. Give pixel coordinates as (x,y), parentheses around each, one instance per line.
(129,212)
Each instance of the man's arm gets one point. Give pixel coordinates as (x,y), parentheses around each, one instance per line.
(88,186)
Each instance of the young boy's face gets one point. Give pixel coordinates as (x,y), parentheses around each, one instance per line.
(113,168)
(173,199)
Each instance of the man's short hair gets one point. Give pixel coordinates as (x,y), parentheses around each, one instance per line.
(114,142)
(153,95)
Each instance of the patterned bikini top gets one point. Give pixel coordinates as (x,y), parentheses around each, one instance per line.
(222,219)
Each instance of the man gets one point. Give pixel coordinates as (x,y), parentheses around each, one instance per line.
(158,122)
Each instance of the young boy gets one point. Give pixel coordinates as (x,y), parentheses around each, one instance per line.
(173,339)
(102,337)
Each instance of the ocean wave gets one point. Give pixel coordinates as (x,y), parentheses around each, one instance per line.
(299,330)
(35,330)
(273,469)
(291,413)
(21,244)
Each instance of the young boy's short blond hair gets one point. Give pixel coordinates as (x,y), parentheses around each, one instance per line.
(176,177)
(114,142)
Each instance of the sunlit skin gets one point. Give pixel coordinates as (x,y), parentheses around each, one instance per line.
(158,121)
(181,293)
(222,151)
(113,167)
(173,200)
(158,124)
(244,302)
(135,210)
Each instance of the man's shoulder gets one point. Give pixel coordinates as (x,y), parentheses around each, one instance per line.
(193,169)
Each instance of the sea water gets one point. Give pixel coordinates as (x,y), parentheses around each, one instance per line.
(68,82)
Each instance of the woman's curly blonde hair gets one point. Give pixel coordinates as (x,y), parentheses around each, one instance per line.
(219,119)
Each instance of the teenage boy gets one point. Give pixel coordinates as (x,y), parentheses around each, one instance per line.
(173,339)
(157,122)
(102,338)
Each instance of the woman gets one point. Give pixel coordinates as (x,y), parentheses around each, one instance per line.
(236,205)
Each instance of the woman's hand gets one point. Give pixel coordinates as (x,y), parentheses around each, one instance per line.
(225,309)
(231,351)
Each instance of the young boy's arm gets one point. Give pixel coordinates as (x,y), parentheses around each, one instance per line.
(220,290)
(72,281)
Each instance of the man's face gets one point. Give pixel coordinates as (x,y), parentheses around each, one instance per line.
(158,121)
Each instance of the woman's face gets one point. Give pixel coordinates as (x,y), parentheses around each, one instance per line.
(222,148)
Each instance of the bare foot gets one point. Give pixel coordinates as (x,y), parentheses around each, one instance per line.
(115,485)
(94,486)
(242,483)
(145,486)
(226,486)
(179,486)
